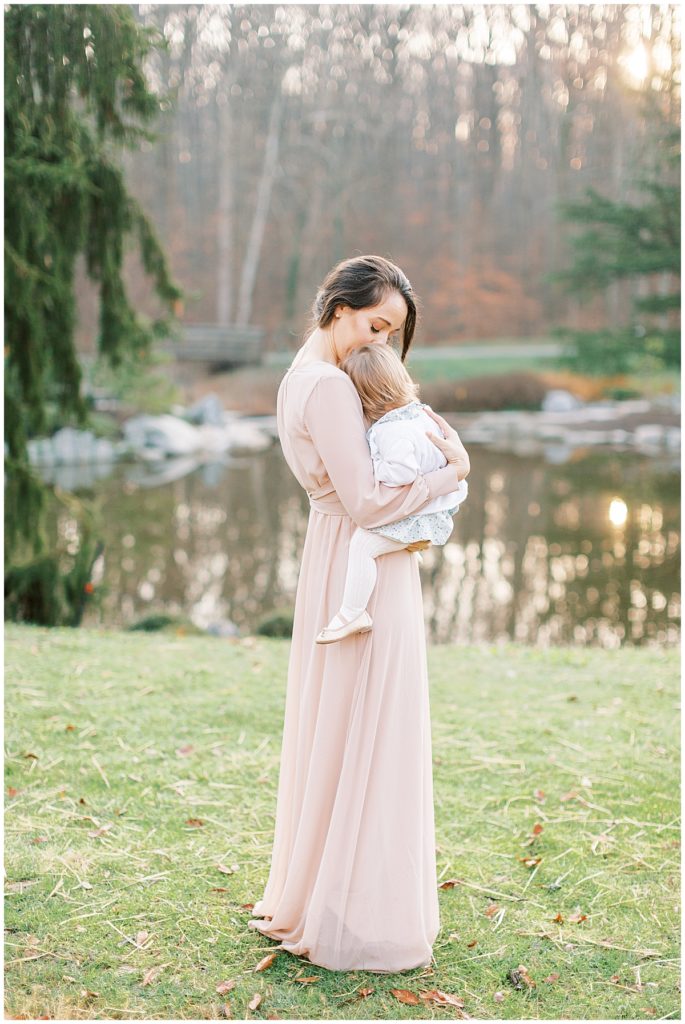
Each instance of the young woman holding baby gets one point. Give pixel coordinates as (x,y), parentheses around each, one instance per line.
(352,883)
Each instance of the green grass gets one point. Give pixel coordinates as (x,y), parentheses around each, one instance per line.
(99,848)
(460,369)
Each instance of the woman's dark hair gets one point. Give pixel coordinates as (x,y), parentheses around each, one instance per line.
(360,282)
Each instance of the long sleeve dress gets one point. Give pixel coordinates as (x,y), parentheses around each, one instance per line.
(352,882)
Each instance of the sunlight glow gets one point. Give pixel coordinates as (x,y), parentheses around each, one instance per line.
(618,512)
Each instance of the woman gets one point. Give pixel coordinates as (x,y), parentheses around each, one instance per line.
(353,883)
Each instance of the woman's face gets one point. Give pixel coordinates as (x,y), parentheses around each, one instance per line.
(373,325)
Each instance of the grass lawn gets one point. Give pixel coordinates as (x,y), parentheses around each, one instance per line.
(141,775)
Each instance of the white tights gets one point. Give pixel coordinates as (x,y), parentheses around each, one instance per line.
(365,547)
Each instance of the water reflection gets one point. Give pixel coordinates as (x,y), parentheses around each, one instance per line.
(587,552)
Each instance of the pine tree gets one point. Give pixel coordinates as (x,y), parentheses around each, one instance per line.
(75,92)
(629,240)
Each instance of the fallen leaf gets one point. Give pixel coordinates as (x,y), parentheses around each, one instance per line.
(577,917)
(472,943)
(185,751)
(11,791)
(559,918)
(403,995)
(450,883)
(150,975)
(491,909)
(554,976)
(539,794)
(364,992)
(537,828)
(498,997)
(434,995)
(530,862)
(519,977)
(255,1001)
(265,962)
(194,821)
(308,981)
(100,831)
(225,986)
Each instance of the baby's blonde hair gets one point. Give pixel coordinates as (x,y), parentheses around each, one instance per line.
(381,379)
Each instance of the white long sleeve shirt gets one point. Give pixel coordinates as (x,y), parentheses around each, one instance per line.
(400,450)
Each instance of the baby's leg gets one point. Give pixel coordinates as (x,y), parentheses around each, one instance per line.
(365,547)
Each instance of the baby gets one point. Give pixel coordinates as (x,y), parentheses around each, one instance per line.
(400,451)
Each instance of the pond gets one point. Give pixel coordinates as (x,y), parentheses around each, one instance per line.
(584,552)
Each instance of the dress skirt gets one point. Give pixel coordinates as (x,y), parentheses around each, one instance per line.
(352,883)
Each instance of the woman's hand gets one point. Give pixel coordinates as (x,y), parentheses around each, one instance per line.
(450,445)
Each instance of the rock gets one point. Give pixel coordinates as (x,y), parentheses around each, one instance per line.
(649,434)
(167,434)
(223,627)
(70,447)
(559,400)
(244,437)
(207,410)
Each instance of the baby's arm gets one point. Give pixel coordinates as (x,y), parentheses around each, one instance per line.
(395,462)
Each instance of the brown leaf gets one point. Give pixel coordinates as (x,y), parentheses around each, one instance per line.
(185,751)
(537,828)
(247,906)
(364,992)
(539,794)
(491,909)
(530,862)
(308,981)
(559,918)
(571,795)
(472,943)
(11,791)
(577,918)
(255,1001)
(100,831)
(551,978)
(219,888)
(150,975)
(87,994)
(39,839)
(194,821)
(225,986)
(34,756)
(403,995)
(225,1011)
(498,997)
(450,883)
(519,977)
(434,995)
(69,728)
(265,962)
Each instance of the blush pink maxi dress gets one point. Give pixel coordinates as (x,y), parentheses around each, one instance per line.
(352,882)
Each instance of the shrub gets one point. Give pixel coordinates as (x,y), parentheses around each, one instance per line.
(496,391)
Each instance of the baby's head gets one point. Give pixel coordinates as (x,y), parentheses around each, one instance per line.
(381,379)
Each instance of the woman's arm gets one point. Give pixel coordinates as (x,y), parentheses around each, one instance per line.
(334,418)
